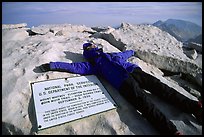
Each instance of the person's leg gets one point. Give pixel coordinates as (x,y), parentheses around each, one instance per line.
(155,86)
(131,91)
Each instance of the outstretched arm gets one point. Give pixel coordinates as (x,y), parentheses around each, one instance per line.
(84,68)
(125,54)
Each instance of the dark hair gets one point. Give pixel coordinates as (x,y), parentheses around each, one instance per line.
(85,45)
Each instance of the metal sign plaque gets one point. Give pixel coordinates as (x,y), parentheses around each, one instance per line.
(66,99)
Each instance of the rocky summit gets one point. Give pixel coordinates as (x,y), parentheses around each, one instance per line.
(158,53)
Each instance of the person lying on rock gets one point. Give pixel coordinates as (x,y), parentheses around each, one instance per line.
(130,80)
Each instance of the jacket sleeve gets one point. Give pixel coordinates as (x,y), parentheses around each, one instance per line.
(125,54)
(84,68)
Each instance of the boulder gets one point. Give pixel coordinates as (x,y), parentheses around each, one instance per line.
(41,30)
(196,46)
(14,34)
(101,29)
(59,33)
(192,54)
(14,26)
(153,46)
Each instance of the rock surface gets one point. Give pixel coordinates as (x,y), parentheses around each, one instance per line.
(153,46)
(14,26)
(196,46)
(191,54)
(22,52)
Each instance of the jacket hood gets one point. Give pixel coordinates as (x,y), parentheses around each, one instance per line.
(92,53)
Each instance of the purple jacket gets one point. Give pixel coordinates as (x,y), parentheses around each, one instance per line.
(111,66)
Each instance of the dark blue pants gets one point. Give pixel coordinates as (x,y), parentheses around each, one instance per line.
(132,91)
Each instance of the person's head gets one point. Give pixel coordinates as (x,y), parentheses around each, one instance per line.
(91,50)
(89,46)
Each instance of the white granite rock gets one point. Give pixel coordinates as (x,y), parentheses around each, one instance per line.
(21,54)
(14,26)
(153,46)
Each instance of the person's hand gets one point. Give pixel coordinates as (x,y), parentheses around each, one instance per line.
(45,67)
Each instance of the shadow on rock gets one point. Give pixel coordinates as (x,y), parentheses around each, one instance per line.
(32,116)
(9,129)
(135,122)
(75,57)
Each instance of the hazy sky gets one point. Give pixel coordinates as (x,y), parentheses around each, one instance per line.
(99,13)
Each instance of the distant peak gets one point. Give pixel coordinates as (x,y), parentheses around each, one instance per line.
(173,21)
(123,24)
(158,23)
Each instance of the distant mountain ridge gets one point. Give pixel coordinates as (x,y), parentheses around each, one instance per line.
(198,39)
(180,29)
